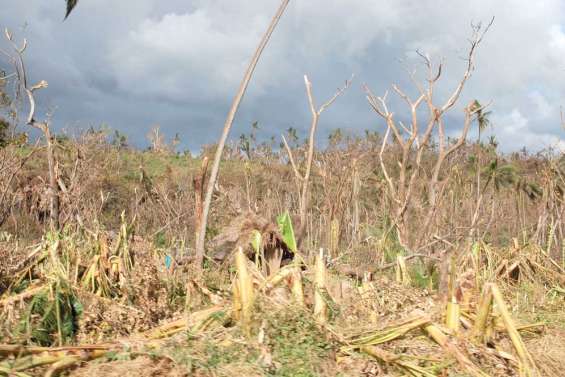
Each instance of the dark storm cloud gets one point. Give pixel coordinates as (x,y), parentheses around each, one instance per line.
(132,64)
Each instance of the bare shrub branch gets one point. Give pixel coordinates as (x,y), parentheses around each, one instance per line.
(414,140)
(305,178)
(19,66)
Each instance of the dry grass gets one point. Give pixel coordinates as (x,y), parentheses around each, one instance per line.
(124,276)
(377,326)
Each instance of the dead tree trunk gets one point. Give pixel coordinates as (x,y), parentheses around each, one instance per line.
(21,73)
(305,179)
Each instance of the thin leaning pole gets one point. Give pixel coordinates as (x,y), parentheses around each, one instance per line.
(199,252)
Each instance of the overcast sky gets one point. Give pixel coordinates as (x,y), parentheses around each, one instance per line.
(132,64)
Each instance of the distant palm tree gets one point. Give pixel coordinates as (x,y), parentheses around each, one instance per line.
(482,117)
(71,4)
(499,175)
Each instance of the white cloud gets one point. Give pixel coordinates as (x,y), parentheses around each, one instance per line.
(543,108)
(210,46)
(556,41)
(181,56)
(187,58)
(513,123)
(514,129)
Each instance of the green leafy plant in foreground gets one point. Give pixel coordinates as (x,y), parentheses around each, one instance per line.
(52,316)
(287,231)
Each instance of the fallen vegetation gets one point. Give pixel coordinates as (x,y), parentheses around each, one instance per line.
(413,255)
(73,305)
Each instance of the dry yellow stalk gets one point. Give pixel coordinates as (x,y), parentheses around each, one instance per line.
(296,287)
(452,312)
(452,315)
(320,307)
(278,277)
(485,305)
(391,358)
(196,321)
(64,363)
(334,236)
(402,275)
(527,365)
(440,338)
(30,292)
(392,332)
(243,297)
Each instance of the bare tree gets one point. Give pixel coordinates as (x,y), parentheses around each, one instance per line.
(21,73)
(304,179)
(156,139)
(414,140)
(199,252)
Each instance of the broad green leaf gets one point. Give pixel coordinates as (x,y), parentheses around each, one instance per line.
(285,227)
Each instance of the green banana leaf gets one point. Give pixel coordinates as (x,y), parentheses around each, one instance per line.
(285,227)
